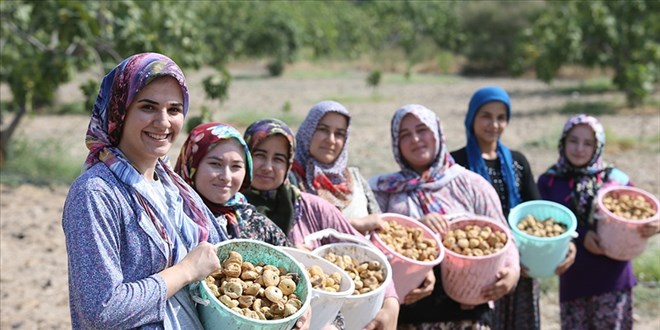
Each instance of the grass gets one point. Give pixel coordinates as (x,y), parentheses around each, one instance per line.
(590,108)
(614,142)
(40,162)
(245,118)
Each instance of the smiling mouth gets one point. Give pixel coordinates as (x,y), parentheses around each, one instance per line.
(158,136)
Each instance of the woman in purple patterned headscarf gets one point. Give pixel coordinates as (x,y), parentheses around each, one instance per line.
(596,291)
(136,234)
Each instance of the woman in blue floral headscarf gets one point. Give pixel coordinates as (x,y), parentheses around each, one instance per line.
(216,162)
(596,291)
(136,234)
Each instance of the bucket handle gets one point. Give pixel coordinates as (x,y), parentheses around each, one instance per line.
(332,232)
(194,294)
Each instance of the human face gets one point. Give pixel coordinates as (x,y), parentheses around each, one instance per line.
(580,145)
(270,159)
(221,172)
(152,123)
(416,143)
(489,123)
(329,138)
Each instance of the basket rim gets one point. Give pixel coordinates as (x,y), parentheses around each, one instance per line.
(514,226)
(488,220)
(339,294)
(438,240)
(633,190)
(308,298)
(387,266)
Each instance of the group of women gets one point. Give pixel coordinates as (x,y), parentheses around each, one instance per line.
(139,232)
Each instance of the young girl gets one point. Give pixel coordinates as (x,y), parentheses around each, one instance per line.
(272,145)
(428,186)
(216,162)
(321,165)
(510,174)
(596,292)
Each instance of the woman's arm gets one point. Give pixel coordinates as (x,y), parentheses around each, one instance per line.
(100,294)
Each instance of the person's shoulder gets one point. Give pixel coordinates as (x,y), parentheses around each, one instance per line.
(619,176)
(518,156)
(315,201)
(97,177)
(459,156)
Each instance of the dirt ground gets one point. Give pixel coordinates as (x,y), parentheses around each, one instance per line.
(33,277)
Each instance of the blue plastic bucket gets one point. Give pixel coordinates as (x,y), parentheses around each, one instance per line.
(215,315)
(542,255)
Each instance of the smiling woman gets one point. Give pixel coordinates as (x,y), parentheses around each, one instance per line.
(136,234)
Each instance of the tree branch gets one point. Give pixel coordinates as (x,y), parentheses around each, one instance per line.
(29,38)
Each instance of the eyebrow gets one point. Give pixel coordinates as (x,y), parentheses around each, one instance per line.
(150,101)
(222,159)
(266,151)
(328,126)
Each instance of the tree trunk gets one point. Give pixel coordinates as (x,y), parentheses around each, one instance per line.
(6,134)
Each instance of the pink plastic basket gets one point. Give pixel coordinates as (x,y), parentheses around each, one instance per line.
(619,237)
(464,277)
(407,273)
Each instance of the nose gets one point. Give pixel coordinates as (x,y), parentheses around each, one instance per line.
(223,174)
(162,118)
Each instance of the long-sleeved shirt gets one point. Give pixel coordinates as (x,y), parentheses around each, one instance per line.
(115,253)
(590,274)
(467,192)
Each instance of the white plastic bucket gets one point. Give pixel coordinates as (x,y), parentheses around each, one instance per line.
(464,277)
(325,305)
(359,310)
(407,273)
(619,237)
(215,315)
(542,255)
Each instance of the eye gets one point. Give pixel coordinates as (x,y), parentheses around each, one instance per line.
(147,107)
(237,167)
(280,160)
(404,135)
(341,134)
(175,110)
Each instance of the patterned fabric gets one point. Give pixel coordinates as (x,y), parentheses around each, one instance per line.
(612,310)
(419,188)
(475,160)
(116,94)
(279,205)
(519,310)
(330,181)
(451,325)
(458,191)
(201,140)
(585,180)
(122,230)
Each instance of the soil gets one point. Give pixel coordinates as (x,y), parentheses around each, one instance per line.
(33,280)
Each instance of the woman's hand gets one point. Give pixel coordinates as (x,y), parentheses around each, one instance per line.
(200,262)
(592,243)
(436,222)
(649,229)
(367,223)
(305,321)
(195,266)
(387,316)
(424,290)
(568,261)
(506,281)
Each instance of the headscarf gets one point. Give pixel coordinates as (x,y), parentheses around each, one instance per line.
(329,181)
(419,188)
(585,181)
(199,143)
(475,161)
(116,94)
(279,204)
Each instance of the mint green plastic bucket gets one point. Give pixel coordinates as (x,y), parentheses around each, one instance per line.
(542,255)
(215,315)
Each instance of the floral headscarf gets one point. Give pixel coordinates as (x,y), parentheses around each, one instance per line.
(475,161)
(419,187)
(280,204)
(201,140)
(330,181)
(585,180)
(116,94)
